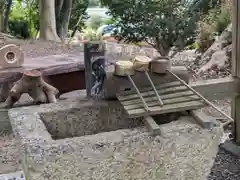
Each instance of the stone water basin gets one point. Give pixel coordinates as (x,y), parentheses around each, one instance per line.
(92,140)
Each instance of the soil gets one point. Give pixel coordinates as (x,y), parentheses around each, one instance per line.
(36,48)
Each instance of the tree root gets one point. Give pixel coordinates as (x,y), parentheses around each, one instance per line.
(33,84)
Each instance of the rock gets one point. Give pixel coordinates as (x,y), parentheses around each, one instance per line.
(218,60)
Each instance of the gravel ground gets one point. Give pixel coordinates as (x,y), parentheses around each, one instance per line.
(8,154)
(9,157)
(226,167)
(40,48)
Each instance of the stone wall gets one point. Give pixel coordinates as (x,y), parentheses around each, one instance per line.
(114,51)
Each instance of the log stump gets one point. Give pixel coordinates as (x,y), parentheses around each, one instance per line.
(33,84)
(11,56)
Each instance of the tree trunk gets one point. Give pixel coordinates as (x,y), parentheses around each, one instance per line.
(161,47)
(58,9)
(65,17)
(7,12)
(1,23)
(2,4)
(48,21)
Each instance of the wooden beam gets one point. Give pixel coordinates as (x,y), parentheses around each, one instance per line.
(168,108)
(152,126)
(203,120)
(218,89)
(235,38)
(236,67)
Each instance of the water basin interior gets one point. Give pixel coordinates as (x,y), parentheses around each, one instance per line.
(77,122)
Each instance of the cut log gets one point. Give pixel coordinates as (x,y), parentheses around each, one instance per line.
(160,65)
(124,68)
(152,126)
(11,56)
(33,84)
(141,63)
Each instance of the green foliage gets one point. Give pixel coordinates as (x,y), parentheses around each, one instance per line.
(162,23)
(95,22)
(26,18)
(223,20)
(30,14)
(108,21)
(213,23)
(19,28)
(203,6)
(79,8)
(17,12)
(90,34)
(33,14)
(216,21)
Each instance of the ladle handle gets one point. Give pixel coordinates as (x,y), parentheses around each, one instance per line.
(138,92)
(203,98)
(155,90)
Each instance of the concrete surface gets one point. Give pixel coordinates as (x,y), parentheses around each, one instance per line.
(13,176)
(184,151)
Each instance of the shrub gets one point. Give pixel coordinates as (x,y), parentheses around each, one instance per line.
(223,20)
(212,24)
(90,34)
(95,22)
(19,28)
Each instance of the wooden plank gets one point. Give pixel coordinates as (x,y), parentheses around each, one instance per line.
(153,98)
(235,39)
(236,67)
(231,147)
(165,101)
(48,65)
(183,106)
(61,69)
(114,84)
(146,89)
(211,89)
(203,120)
(151,93)
(218,88)
(235,113)
(152,126)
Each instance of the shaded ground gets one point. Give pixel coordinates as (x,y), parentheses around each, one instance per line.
(226,167)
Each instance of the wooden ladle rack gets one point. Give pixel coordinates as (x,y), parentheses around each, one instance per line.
(175,97)
(163,98)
